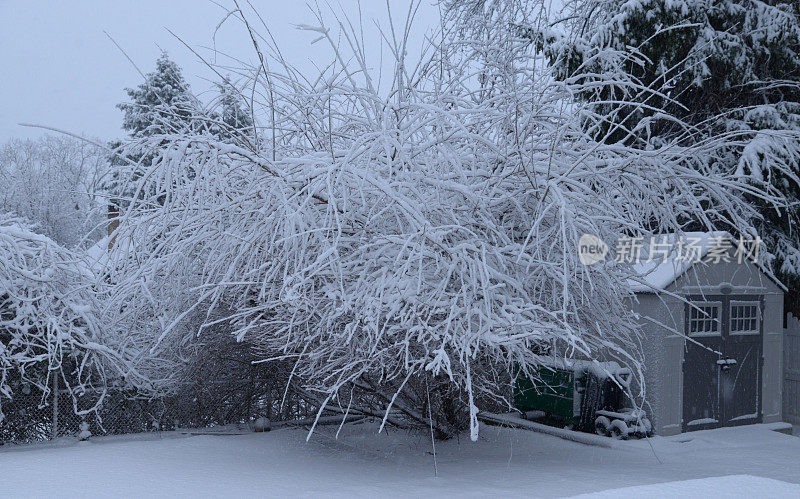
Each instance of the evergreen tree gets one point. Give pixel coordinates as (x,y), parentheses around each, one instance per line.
(721,66)
(236,121)
(161,105)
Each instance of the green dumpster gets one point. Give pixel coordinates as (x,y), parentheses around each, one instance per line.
(552,391)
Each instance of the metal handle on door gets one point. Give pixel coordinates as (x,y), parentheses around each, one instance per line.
(725,364)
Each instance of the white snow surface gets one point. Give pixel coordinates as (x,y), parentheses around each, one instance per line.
(718,486)
(749,461)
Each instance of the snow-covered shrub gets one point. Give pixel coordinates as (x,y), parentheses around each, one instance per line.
(54,182)
(383,238)
(49,320)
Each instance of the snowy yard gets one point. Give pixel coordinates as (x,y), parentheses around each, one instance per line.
(420,211)
(750,461)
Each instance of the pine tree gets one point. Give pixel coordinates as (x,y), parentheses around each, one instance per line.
(161,105)
(236,122)
(720,65)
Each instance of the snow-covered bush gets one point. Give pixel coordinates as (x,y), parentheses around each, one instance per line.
(54,182)
(49,320)
(380,237)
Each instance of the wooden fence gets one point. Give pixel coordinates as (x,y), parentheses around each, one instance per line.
(791,370)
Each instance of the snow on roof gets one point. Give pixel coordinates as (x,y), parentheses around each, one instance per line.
(101,258)
(98,250)
(602,370)
(658,273)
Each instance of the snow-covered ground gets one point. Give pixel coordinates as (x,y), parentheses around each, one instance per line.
(718,486)
(745,461)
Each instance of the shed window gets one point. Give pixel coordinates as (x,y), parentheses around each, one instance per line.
(745,318)
(704,319)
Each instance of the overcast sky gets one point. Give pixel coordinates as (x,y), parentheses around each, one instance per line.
(60,69)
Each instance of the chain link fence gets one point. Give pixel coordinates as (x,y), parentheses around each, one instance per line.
(33,417)
(221,386)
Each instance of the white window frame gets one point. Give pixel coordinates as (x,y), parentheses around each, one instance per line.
(701,304)
(746,303)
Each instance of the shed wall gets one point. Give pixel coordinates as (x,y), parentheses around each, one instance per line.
(662,326)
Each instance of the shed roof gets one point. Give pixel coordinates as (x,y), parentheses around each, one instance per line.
(658,274)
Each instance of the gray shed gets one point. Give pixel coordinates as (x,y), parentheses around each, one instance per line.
(719,362)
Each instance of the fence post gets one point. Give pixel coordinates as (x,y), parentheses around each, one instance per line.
(791,371)
(55,405)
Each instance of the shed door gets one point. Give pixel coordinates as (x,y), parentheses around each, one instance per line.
(722,361)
